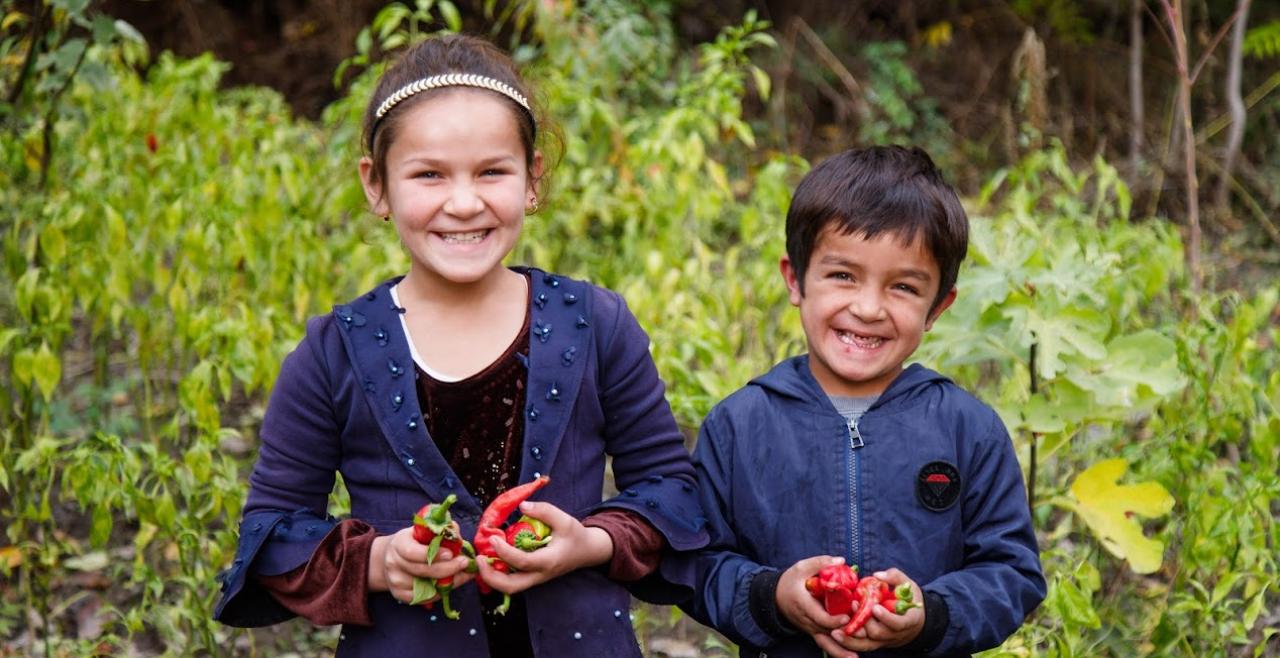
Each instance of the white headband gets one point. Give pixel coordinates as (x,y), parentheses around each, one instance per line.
(452,80)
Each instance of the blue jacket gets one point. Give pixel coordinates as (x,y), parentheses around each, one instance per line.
(345,402)
(781,480)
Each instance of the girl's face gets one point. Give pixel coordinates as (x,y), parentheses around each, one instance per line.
(456,184)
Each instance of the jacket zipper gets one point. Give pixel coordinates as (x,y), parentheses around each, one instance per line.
(855,543)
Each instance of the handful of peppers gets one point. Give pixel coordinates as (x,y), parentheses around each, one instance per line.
(842,593)
(527,534)
(434,527)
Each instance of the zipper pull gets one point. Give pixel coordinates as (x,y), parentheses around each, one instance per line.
(855,437)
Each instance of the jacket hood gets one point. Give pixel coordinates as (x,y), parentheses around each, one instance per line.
(793,379)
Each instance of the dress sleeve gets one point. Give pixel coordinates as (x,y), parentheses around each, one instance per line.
(285,514)
(637,545)
(331,587)
(651,465)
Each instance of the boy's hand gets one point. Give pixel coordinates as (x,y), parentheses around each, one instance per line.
(887,628)
(805,612)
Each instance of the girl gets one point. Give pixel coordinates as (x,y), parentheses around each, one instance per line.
(462,377)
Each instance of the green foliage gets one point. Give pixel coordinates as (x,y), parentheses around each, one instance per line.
(164,253)
(1263,41)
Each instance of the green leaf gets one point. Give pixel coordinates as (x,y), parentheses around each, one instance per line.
(24,366)
(1140,368)
(46,367)
(129,32)
(25,292)
(452,19)
(1074,605)
(1107,508)
(424,589)
(53,244)
(1064,333)
(100,531)
(95,561)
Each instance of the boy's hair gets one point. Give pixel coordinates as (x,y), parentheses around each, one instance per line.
(881,189)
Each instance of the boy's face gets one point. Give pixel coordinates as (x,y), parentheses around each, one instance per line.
(864,309)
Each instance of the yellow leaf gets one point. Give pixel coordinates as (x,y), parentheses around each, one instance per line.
(10,557)
(1108,507)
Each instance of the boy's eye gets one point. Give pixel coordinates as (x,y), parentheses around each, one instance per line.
(907,288)
(841,276)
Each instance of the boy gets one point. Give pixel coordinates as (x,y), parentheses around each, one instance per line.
(842,455)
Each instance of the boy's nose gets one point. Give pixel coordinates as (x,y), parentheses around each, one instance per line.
(867,306)
(463,201)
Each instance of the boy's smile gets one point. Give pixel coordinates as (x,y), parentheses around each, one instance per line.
(865,308)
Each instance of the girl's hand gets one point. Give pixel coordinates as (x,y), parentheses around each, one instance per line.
(572,546)
(394,561)
(805,612)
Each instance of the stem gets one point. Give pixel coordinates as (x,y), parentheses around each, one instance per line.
(1236,104)
(47,134)
(1035,437)
(1173,12)
(1137,110)
(37,29)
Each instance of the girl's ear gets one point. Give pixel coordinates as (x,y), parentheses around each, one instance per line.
(535,174)
(373,189)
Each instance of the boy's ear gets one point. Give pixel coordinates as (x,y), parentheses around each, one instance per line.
(373,190)
(793,283)
(942,306)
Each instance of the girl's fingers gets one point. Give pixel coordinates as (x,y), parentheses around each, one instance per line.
(555,518)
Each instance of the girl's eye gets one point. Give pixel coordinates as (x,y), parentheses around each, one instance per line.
(427,174)
(492,172)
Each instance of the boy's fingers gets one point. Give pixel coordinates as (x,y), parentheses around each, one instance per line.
(812,565)
(892,576)
(830,647)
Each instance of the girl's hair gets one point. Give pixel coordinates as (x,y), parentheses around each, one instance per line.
(454,53)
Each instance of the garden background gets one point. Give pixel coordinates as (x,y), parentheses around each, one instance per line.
(169,221)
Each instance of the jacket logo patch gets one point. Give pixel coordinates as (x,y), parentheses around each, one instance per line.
(938,485)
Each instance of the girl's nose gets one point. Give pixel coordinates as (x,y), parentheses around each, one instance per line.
(463,201)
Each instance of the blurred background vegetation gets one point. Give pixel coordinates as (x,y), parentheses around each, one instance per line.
(178,194)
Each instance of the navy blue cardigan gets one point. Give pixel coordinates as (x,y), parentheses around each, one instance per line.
(345,401)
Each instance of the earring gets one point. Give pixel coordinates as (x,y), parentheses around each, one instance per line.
(534,208)
(386,218)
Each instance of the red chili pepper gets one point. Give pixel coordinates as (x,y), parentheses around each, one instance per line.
(834,586)
(434,527)
(528,534)
(870,591)
(489,529)
(842,593)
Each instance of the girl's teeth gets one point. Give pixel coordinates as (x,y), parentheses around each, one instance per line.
(464,238)
(870,342)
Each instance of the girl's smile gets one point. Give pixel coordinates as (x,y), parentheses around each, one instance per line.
(457,186)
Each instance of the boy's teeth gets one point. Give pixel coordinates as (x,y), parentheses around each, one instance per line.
(865,342)
(463,238)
